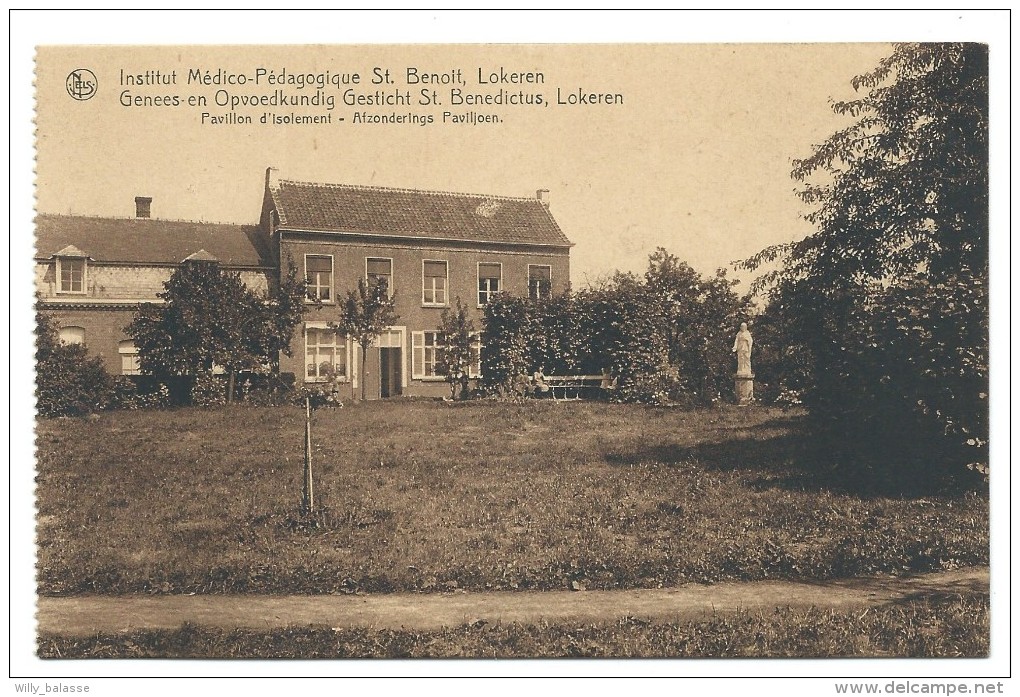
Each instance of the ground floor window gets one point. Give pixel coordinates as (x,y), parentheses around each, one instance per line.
(426,349)
(427,354)
(475,369)
(72,335)
(325,354)
(129,364)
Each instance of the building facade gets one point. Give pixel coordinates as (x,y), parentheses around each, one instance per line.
(91,274)
(427,248)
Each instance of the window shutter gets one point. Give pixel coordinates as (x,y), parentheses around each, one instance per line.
(319,264)
(540,273)
(489,270)
(435,269)
(379,267)
(417,354)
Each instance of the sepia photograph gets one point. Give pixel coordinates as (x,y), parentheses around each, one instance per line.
(513,350)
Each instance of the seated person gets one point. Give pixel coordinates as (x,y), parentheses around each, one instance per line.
(521,385)
(608,382)
(538,384)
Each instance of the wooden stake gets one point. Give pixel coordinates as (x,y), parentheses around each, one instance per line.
(308,500)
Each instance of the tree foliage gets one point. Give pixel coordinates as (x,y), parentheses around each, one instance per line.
(458,354)
(699,317)
(505,341)
(889,294)
(664,336)
(209,318)
(69,382)
(363,315)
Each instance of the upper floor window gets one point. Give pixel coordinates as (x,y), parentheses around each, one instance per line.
(70,275)
(379,273)
(490,276)
(72,335)
(539,281)
(434,275)
(319,276)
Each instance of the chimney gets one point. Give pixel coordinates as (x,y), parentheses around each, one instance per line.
(143,206)
(543,196)
(270,177)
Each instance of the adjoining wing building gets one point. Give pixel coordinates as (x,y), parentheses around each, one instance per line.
(427,248)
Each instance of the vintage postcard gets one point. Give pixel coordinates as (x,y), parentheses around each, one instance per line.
(512,350)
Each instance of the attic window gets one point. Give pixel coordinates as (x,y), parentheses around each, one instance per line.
(71,275)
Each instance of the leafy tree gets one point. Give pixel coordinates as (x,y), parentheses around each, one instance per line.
(663,336)
(69,382)
(507,327)
(889,294)
(209,318)
(699,317)
(364,314)
(620,319)
(459,337)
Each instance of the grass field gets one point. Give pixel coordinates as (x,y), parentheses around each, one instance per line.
(944,628)
(429,496)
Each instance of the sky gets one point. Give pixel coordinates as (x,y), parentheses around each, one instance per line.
(696,159)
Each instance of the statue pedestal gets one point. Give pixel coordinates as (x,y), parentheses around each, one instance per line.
(743,386)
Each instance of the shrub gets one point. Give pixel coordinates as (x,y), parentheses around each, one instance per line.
(207,390)
(69,382)
(661,388)
(270,390)
(130,394)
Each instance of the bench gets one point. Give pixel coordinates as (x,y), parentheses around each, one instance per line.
(566,384)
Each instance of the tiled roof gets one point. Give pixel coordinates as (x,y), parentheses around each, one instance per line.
(412,213)
(149,240)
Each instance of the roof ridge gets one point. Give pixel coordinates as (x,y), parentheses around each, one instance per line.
(132,217)
(406,190)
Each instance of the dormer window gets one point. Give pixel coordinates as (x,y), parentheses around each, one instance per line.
(71,270)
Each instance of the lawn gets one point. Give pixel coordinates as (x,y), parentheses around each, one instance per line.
(431,496)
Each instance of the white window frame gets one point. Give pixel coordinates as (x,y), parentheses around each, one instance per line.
(478,285)
(129,362)
(424,284)
(84,275)
(419,353)
(320,326)
(539,296)
(389,285)
(317,286)
(475,369)
(64,342)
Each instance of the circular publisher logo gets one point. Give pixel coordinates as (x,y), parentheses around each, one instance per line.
(82,84)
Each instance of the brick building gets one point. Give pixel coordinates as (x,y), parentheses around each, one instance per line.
(428,248)
(91,274)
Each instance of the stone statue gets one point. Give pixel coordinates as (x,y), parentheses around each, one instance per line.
(742,347)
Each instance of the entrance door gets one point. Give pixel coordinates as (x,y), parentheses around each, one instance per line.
(389,372)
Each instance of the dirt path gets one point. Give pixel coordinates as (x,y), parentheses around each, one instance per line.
(87,615)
